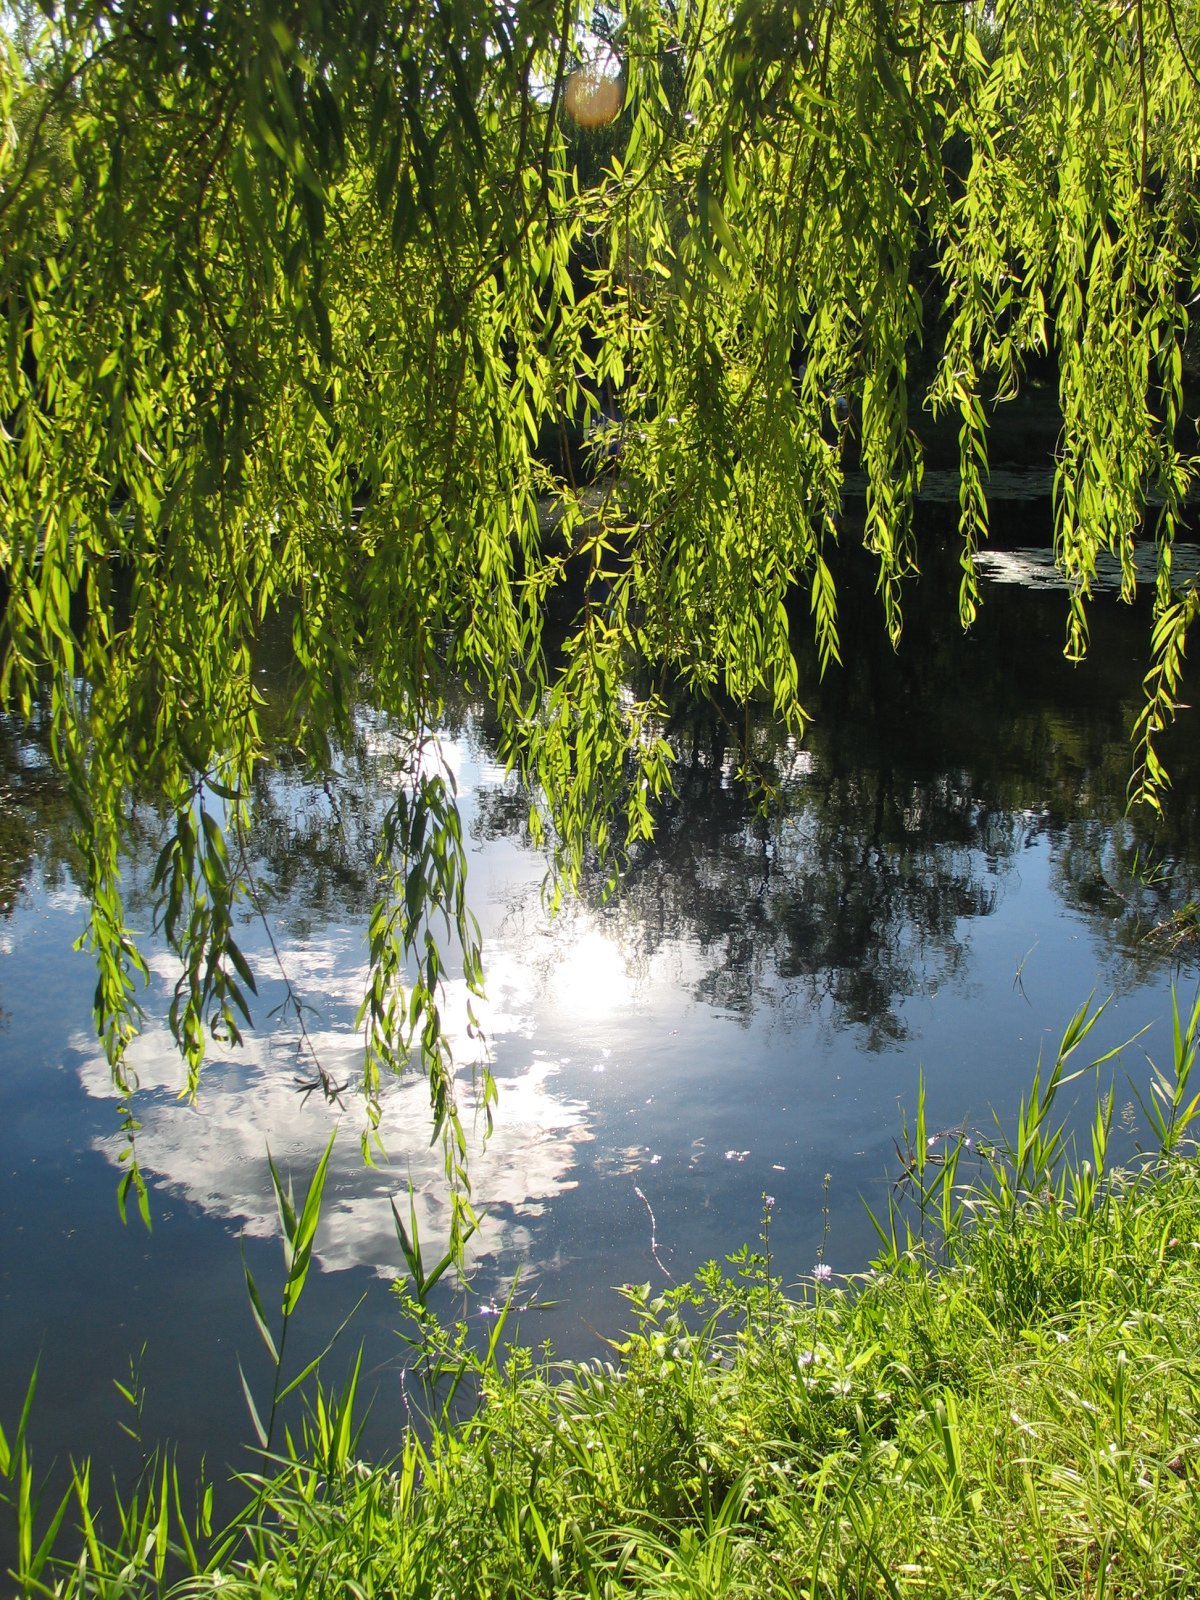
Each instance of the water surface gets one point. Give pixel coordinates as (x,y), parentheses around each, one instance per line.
(943,876)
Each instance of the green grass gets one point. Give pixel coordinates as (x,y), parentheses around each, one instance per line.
(1007,1404)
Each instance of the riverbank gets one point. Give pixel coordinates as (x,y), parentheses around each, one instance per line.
(1008,1402)
(1025,1423)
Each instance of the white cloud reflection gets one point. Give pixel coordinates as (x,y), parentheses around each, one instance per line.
(214,1153)
(569,984)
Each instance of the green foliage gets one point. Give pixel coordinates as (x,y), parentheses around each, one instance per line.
(295,300)
(299,1229)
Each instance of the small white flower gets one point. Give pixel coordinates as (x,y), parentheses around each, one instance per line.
(822,1272)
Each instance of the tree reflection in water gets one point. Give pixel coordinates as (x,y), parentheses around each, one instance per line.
(846,882)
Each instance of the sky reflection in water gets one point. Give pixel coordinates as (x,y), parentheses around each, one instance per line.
(709,1058)
(943,880)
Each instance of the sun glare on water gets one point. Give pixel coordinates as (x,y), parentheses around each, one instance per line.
(592,980)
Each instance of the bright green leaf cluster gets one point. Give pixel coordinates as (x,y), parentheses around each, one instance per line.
(306,308)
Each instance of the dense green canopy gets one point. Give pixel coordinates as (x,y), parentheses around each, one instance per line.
(306,307)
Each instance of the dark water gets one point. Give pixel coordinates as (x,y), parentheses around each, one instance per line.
(944,877)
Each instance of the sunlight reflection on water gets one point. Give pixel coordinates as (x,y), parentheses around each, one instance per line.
(936,886)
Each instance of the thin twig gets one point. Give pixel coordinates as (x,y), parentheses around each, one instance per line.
(653,1234)
(324,1080)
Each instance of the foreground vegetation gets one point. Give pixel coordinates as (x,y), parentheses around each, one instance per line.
(1008,1403)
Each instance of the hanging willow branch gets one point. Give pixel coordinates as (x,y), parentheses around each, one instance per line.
(296,300)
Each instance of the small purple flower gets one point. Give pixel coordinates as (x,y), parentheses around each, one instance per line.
(822,1272)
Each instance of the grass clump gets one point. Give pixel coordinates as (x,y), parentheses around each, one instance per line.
(1007,1403)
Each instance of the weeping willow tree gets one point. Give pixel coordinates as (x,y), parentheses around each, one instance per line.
(300,299)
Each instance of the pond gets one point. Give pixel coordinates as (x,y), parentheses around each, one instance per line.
(946,872)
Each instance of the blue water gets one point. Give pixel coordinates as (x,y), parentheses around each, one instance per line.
(943,882)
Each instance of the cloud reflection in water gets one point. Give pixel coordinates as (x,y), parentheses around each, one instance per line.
(214,1153)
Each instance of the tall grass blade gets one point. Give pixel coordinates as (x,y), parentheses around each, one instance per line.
(1164,1109)
(162,1523)
(9,1453)
(316,1361)
(284,1201)
(344,1435)
(410,1244)
(255,1420)
(304,1230)
(410,1247)
(32,1569)
(258,1310)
